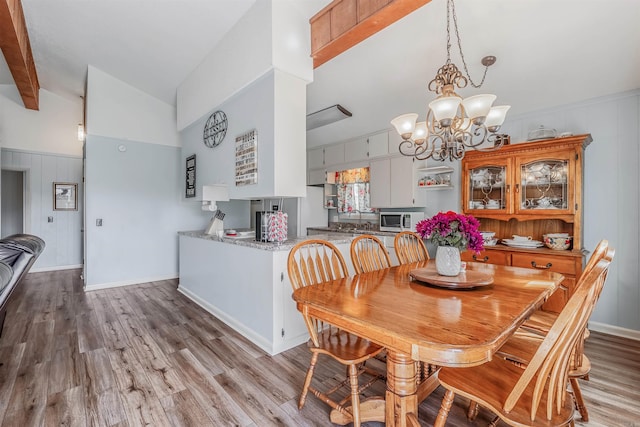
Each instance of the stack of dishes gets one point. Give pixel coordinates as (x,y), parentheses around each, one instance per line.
(521,243)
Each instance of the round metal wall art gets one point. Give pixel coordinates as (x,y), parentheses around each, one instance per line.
(215,129)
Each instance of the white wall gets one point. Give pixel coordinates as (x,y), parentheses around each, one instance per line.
(118,110)
(136,191)
(272,34)
(274,105)
(137,195)
(45,145)
(63,236)
(52,129)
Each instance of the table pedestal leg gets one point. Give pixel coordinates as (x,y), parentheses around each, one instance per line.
(401,396)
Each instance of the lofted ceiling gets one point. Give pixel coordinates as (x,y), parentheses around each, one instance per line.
(550,52)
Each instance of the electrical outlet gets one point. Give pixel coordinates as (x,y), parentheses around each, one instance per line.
(49,219)
(99,222)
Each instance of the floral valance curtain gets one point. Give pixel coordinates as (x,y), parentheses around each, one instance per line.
(353,176)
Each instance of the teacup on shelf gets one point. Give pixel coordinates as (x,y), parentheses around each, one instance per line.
(544,202)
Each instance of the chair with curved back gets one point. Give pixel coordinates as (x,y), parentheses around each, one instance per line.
(315,261)
(535,394)
(409,247)
(369,254)
(519,348)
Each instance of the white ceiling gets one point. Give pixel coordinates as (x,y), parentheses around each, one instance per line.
(550,52)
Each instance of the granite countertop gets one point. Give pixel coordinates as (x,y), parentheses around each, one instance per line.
(375,230)
(250,242)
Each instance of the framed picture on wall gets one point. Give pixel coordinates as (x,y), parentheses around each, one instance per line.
(65,196)
(190,190)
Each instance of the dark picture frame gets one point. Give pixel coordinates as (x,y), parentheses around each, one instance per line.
(65,196)
(190,178)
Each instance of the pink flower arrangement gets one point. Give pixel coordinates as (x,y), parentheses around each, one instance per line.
(452,229)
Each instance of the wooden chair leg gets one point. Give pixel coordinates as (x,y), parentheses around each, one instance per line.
(355,397)
(472,412)
(579,400)
(307,380)
(443,414)
(494,422)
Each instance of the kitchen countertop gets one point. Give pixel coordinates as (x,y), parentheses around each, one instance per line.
(267,246)
(351,230)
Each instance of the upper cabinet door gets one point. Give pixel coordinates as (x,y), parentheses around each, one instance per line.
(355,150)
(333,155)
(315,158)
(487,185)
(378,145)
(545,184)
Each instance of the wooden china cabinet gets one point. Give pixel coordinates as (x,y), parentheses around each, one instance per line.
(529,189)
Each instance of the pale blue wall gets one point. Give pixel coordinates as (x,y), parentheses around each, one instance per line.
(138,195)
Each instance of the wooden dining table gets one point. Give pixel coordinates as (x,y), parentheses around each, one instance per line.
(417,321)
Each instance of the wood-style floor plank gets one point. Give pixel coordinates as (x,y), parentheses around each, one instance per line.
(147,355)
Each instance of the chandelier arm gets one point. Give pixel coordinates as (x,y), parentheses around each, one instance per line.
(477,137)
(411,149)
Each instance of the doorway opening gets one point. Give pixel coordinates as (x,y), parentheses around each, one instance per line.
(12,213)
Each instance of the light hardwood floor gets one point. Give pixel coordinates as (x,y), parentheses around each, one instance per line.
(146,355)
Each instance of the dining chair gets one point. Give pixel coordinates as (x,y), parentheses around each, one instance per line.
(369,254)
(535,394)
(539,324)
(409,247)
(312,262)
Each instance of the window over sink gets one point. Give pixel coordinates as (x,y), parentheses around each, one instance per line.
(353,191)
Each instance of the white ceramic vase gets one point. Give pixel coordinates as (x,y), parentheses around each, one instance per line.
(448,261)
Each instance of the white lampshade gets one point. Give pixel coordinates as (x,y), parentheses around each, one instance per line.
(478,105)
(445,107)
(405,124)
(496,115)
(420,133)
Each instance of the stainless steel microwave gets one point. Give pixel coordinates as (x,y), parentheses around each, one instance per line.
(400,221)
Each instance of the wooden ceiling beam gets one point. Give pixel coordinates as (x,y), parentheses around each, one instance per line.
(343,24)
(14,42)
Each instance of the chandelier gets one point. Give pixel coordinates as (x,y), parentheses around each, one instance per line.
(453,124)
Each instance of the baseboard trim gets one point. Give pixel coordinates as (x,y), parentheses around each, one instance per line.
(615,330)
(118,284)
(239,327)
(55,268)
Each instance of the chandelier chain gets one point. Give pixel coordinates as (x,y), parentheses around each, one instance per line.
(451,10)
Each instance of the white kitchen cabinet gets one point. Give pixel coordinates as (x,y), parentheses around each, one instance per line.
(392,183)
(394,142)
(333,155)
(323,157)
(316,177)
(380,183)
(315,158)
(355,150)
(378,145)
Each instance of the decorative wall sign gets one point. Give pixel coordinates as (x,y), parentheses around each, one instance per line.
(65,196)
(247,158)
(191,177)
(215,129)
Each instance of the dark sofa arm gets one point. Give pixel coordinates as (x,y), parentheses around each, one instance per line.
(17,254)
